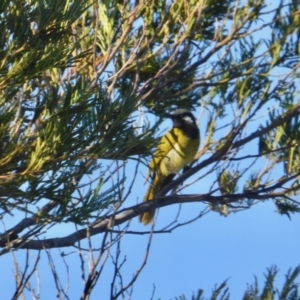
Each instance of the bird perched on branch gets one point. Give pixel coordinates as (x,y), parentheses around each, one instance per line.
(175,151)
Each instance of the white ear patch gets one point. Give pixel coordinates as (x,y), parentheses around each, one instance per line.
(188,119)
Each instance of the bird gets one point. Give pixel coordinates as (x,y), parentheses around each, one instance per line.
(176,150)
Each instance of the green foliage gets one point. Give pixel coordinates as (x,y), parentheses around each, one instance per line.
(228,182)
(36,37)
(286,207)
(53,129)
(289,291)
(76,78)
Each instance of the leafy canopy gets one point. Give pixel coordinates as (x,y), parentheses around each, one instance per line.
(77,77)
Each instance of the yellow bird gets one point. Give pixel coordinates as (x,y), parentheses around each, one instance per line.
(176,150)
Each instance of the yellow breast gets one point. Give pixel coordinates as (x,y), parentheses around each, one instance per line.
(174,152)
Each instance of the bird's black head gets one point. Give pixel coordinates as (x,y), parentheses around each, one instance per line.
(181,117)
(185,120)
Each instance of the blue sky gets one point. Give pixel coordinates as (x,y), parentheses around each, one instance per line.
(216,248)
(198,255)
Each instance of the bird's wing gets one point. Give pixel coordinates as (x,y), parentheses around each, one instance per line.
(167,142)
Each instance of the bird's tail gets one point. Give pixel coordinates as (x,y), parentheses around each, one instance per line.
(147,217)
(157,184)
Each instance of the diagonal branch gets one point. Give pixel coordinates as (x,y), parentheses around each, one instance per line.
(106,224)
